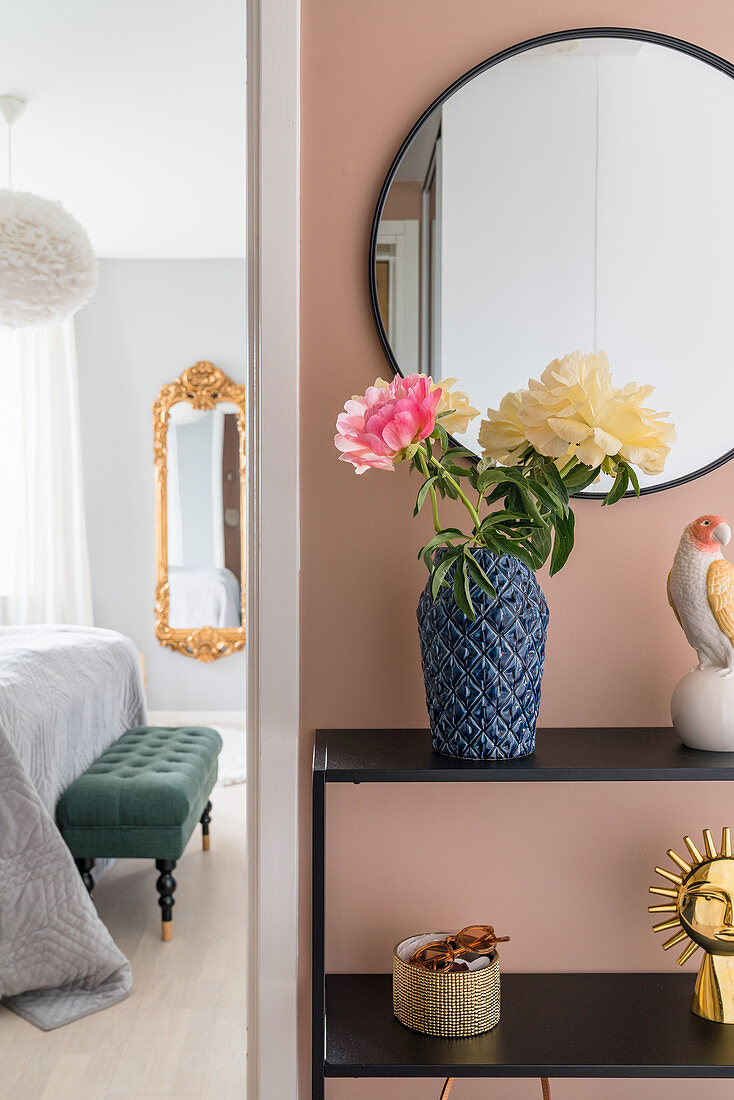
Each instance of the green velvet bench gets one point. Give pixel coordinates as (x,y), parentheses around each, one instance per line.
(141,800)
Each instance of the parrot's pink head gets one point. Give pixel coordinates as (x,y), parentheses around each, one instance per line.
(709,533)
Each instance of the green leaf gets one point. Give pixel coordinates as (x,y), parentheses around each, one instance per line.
(438,577)
(423,493)
(617,491)
(491,477)
(461,590)
(530,505)
(554,479)
(519,520)
(478,575)
(443,437)
(548,496)
(514,549)
(455,471)
(497,494)
(540,542)
(580,477)
(441,538)
(562,542)
(514,499)
(634,479)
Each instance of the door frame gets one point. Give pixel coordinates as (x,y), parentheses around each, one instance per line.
(273,182)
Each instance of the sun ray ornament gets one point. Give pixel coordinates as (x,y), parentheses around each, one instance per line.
(700,902)
(48,269)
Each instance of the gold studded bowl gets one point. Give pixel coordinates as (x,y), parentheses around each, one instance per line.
(451,1004)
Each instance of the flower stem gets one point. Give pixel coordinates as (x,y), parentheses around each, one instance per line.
(461,494)
(432,492)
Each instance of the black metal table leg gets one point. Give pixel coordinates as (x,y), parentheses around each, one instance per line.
(318,962)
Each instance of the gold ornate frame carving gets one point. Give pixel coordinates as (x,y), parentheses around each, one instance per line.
(203,386)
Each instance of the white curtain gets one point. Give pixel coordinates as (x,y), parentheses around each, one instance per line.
(44,562)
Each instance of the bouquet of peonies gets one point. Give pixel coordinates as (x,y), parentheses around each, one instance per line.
(540,447)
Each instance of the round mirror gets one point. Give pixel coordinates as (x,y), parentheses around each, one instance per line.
(571,193)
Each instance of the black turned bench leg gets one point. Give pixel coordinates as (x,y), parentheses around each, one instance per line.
(84,866)
(205,821)
(165,886)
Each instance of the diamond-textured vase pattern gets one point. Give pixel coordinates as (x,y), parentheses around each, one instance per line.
(483,678)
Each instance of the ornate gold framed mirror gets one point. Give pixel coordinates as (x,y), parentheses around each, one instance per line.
(199,448)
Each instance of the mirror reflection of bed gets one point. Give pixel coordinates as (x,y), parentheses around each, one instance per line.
(204,535)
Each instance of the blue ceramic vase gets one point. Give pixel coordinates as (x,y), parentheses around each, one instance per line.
(483,678)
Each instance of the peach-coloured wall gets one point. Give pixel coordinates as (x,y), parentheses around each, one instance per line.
(405,200)
(564,868)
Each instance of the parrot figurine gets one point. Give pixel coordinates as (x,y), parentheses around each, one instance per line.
(701,592)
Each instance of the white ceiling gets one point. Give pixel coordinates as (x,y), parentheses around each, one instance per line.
(135,119)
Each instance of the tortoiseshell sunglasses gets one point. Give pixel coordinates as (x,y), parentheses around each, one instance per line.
(475,939)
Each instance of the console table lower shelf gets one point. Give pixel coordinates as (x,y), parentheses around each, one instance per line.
(552,1025)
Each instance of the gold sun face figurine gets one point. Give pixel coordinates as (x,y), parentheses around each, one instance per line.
(701,899)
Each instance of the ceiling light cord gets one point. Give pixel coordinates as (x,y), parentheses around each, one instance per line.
(11,108)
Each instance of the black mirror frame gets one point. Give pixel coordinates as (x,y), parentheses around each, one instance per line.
(521,47)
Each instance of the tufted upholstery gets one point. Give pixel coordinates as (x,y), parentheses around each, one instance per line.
(142,798)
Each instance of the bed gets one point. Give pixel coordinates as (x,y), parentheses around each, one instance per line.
(203,595)
(66,693)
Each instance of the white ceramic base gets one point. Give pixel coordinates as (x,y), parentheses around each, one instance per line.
(702,709)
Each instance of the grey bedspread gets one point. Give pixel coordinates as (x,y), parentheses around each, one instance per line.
(66,693)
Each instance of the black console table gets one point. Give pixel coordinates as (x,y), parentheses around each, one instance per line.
(579,1025)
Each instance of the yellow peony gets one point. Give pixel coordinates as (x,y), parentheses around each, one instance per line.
(644,436)
(457,404)
(502,436)
(576,385)
(576,404)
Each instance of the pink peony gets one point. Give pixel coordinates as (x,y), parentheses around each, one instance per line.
(374,430)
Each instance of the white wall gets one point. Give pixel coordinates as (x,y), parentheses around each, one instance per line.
(666,241)
(517,223)
(149,320)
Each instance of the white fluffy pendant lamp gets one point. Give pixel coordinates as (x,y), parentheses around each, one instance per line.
(47,267)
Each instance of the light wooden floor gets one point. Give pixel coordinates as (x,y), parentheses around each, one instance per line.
(181,1032)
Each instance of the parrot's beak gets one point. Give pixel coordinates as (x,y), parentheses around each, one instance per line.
(721,533)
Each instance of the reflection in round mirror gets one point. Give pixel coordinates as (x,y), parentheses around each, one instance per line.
(573,193)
